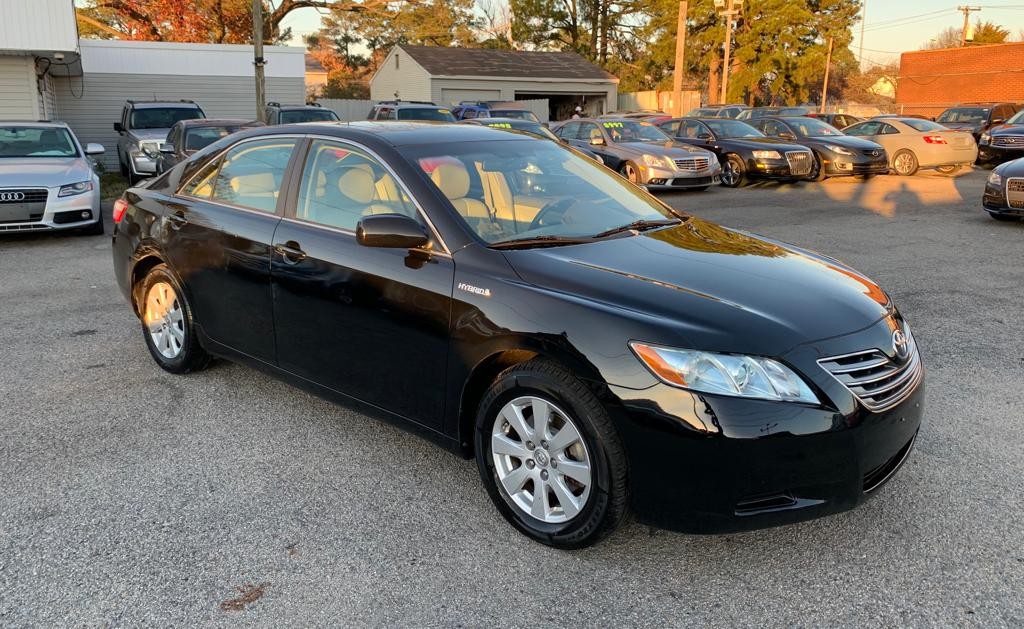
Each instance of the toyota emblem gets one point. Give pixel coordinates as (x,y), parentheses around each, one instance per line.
(900,344)
(8,197)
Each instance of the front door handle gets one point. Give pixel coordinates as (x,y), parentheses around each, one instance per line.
(177,219)
(290,252)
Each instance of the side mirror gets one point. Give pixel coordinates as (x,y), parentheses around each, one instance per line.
(118,127)
(998,121)
(705,136)
(392,231)
(598,141)
(94,149)
(166,147)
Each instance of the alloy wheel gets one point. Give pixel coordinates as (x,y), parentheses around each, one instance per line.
(904,163)
(541,460)
(631,173)
(165,320)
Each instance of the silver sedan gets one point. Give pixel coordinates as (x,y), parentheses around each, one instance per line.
(913,144)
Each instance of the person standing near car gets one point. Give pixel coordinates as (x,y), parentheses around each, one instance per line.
(577,113)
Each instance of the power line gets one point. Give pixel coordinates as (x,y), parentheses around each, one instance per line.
(899,20)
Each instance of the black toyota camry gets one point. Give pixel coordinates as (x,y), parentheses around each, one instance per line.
(594,350)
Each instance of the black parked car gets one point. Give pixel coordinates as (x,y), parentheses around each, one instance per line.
(763,112)
(744,152)
(188,136)
(835,154)
(976,117)
(1004,192)
(1003,142)
(606,351)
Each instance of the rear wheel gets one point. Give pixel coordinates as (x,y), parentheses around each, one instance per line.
(167,323)
(948,170)
(550,457)
(904,162)
(733,171)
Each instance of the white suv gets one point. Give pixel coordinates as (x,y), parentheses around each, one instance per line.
(47,180)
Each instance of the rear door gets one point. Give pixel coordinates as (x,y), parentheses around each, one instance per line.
(369,322)
(220,231)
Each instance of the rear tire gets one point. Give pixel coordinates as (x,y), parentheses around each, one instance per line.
(904,162)
(585,472)
(948,170)
(167,323)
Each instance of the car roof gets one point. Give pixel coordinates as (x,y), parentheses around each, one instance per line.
(493,119)
(214,122)
(280,106)
(149,104)
(34,123)
(395,133)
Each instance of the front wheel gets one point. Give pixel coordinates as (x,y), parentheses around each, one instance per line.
(630,171)
(167,323)
(550,457)
(819,169)
(905,163)
(733,171)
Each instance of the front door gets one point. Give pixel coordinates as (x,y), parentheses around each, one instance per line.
(221,226)
(371,323)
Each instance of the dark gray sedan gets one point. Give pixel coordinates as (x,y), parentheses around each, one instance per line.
(188,136)
(643,153)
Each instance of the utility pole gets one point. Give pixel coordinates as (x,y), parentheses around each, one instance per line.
(677,79)
(729,9)
(863,18)
(258,60)
(824,88)
(966,10)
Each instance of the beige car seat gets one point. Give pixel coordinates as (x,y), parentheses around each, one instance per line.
(505,205)
(351,197)
(453,181)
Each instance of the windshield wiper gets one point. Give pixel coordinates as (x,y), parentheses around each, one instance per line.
(538,241)
(640,225)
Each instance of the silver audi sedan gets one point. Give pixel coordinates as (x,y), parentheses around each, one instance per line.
(47,181)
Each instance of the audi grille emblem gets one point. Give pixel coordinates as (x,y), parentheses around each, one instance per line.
(7,197)
(900,345)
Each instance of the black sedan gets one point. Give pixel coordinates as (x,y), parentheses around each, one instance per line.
(1004,192)
(744,152)
(603,352)
(835,154)
(189,136)
(1003,142)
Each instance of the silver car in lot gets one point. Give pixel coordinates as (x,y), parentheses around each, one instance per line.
(913,144)
(47,180)
(643,153)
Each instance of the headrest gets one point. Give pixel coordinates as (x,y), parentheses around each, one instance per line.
(357,184)
(452,179)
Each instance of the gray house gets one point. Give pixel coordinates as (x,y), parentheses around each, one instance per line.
(450,75)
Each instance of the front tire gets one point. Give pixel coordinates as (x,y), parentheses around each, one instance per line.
(167,323)
(819,169)
(550,457)
(733,171)
(631,172)
(905,163)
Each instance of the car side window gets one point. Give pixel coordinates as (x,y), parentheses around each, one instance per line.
(249,175)
(691,129)
(865,128)
(341,184)
(569,130)
(671,127)
(383,113)
(588,131)
(469,113)
(887,129)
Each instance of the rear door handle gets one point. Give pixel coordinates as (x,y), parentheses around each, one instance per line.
(290,252)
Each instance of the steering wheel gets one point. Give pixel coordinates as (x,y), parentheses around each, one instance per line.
(554,208)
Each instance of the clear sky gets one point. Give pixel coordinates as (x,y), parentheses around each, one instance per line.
(891,26)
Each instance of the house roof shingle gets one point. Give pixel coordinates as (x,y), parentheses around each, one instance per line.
(439,61)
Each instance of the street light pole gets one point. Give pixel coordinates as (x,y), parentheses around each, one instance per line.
(677,79)
(258,60)
(729,9)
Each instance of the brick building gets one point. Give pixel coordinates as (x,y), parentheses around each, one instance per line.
(932,80)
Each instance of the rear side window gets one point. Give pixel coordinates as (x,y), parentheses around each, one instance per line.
(864,128)
(569,130)
(249,175)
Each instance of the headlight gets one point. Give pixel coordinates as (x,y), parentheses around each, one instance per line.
(995,179)
(767,155)
(839,149)
(653,160)
(986,137)
(725,374)
(72,189)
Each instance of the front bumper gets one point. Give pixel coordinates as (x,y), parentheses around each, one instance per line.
(999,154)
(716,464)
(59,213)
(840,165)
(143,164)
(995,202)
(665,179)
(776,169)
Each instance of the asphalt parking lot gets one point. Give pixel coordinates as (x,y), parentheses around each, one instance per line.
(131,496)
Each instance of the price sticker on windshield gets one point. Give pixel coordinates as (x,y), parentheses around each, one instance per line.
(613,125)
(500,125)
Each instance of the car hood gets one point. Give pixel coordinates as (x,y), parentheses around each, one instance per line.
(963,126)
(715,288)
(762,143)
(670,148)
(1007,129)
(151,134)
(42,171)
(847,141)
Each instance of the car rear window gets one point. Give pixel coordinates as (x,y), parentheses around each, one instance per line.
(162,117)
(964,114)
(922,125)
(307,115)
(425,113)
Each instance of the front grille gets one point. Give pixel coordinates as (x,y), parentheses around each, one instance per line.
(11,196)
(18,205)
(693,164)
(1015,192)
(1008,140)
(874,153)
(799,162)
(878,381)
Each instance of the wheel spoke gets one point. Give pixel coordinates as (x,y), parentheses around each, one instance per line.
(579,472)
(540,507)
(563,439)
(514,416)
(514,481)
(178,334)
(501,444)
(175,315)
(541,418)
(566,500)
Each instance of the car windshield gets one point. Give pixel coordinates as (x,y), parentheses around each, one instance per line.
(922,125)
(811,128)
(964,114)
(558,194)
(36,142)
(726,128)
(201,137)
(1017,118)
(634,131)
(425,113)
(518,114)
(162,117)
(289,116)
